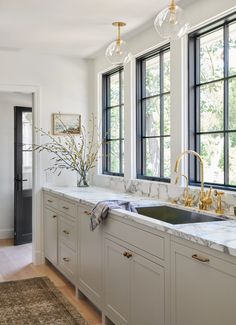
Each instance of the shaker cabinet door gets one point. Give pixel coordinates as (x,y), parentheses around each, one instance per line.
(50,235)
(117,283)
(203,288)
(147,292)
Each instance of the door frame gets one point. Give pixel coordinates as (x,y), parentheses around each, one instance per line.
(37,220)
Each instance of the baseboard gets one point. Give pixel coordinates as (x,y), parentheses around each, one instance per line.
(6,233)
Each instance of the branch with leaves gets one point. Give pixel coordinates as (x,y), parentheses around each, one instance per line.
(71,152)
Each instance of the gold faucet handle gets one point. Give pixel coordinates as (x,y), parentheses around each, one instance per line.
(219,194)
(219,208)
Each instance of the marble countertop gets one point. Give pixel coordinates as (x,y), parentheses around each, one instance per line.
(220,235)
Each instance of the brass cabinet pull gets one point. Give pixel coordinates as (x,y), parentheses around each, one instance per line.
(87,212)
(50,201)
(65,208)
(66,232)
(200,258)
(66,259)
(127,254)
(54,216)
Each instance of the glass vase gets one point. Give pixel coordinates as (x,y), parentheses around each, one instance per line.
(82,179)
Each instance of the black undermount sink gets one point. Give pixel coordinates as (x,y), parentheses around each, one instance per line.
(175,216)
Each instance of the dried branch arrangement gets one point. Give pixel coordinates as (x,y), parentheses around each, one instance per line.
(72,152)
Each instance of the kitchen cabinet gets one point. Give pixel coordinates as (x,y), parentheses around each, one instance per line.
(50,235)
(203,287)
(134,287)
(90,257)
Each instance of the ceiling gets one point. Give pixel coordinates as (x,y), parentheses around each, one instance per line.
(69,27)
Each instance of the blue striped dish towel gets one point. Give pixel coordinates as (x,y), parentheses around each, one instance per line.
(100,211)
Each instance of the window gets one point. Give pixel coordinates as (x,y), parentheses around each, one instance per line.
(212,102)
(153,115)
(113,123)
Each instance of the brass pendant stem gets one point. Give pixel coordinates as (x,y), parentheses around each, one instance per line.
(118,36)
(172,6)
(118,24)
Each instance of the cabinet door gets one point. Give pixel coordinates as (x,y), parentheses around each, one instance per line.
(203,293)
(117,283)
(90,256)
(147,292)
(50,235)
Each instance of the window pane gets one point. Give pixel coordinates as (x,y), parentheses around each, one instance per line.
(122,87)
(114,91)
(122,121)
(152,76)
(232,158)
(114,123)
(211,56)
(166,69)
(167,157)
(114,156)
(151,149)
(232,49)
(232,104)
(151,109)
(122,156)
(212,151)
(212,107)
(166,114)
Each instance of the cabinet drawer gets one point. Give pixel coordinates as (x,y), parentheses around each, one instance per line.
(67,232)
(67,207)
(151,243)
(67,262)
(50,201)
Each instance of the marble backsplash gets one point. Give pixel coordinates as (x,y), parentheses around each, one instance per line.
(161,191)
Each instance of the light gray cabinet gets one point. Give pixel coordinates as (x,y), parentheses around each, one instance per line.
(134,287)
(50,235)
(90,257)
(117,283)
(203,288)
(147,292)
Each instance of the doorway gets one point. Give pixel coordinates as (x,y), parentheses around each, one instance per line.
(22,175)
(35,94)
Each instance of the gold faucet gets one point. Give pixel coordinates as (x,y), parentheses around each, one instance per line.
(188,198)
(205,198)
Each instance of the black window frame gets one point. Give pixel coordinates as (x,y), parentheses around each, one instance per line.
(139,115)
(193,100)
(105,122)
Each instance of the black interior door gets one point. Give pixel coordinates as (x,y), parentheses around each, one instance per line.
(23,176)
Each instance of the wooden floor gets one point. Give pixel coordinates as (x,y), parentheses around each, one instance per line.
(16,264)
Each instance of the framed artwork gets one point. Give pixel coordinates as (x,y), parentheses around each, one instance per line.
(64,123)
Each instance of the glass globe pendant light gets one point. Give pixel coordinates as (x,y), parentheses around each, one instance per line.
(117,52)
(170,22)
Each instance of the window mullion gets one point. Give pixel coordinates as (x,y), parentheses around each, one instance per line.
(161,115)
(226,104)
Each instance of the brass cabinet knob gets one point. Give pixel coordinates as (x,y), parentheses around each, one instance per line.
(50,201)
(54,216)
(65,208)
(200,258)
(87,212)
(66,259)
(66,232)
(127,254)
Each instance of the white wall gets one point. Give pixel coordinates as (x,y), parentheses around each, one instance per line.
(7,103)
(197,13)
(64,86)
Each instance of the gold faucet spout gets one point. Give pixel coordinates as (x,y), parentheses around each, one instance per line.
(201,166)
